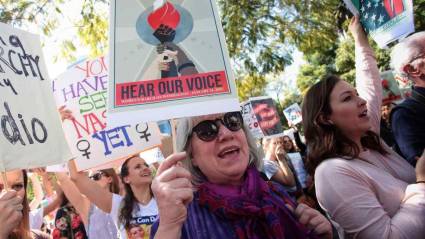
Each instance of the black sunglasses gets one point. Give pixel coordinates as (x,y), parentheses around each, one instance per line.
(97,176)
(207,130)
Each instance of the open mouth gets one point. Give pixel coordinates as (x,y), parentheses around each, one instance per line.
(229,152)
(363,114)
(146,174)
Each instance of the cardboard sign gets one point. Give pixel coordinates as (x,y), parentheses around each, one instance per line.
(385,20)
(82,90)
(30,124)
(168,60)
(390,88)
(250,120)
(298,164)
(293,114)
(267,116)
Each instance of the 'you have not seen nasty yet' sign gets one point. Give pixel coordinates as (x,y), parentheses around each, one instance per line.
(81,95)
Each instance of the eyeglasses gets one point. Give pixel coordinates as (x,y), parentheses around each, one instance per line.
(421,56)
(97,176)
(207,130)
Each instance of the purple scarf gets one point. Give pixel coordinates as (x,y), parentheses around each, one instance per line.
(256,209)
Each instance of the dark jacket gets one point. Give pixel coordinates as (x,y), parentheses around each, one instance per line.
(408,125)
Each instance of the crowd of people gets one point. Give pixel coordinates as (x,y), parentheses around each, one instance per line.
(357,183)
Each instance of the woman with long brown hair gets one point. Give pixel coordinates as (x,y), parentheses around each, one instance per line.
(364,186)
(137,207)
(14,208)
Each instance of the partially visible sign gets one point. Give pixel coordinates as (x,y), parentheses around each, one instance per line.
(251,120)
(298,164)
(81,94)
(168,60)
(32,135)
(390,88)
(152,156)
(385,20)
(293,114)
(267,116)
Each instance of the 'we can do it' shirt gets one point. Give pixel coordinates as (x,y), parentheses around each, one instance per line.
(143,217)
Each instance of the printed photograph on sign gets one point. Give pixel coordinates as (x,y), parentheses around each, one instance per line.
(390,89)
(81,95)
(30,124)
(169,53)
(385,20)
(267,116)
(293,114)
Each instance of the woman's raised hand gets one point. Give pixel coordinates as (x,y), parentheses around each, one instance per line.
(357,31)
(173,192)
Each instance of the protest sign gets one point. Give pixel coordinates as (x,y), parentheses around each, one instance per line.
(168,60)
(267,116)
(82,91)
(250,120)
(293,114)
(29,119)
(298,164)
(404,84)
(390,88)
(152,156)
(385,20)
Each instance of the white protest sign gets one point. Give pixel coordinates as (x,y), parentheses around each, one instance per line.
(152,156)
(293,114)
(250,120)
(168,60)
(82,90)
(30,122)
(385,20)
(298,164)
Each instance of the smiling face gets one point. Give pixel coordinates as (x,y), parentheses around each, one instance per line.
(349,111)
(138,172)
(223,160)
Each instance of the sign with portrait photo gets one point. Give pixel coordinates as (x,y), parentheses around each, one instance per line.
(31,134)
(293,114)
(81,96)
(267,116)
(168,60)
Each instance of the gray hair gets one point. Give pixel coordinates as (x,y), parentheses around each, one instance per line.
(184,130)
(406,50)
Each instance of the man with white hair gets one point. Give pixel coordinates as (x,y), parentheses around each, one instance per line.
(408,118)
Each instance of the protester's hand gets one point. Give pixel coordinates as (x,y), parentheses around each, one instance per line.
(65,114)
(420,167)
(280,152)
(11,212)
(73,172)
(357,31)
(313,220)
(173,191)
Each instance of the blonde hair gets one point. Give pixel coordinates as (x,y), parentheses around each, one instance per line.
(184,130)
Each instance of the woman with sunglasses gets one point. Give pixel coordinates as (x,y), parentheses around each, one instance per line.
(364,186)
(98,223)
(14,208)
(219,192)
(137,207)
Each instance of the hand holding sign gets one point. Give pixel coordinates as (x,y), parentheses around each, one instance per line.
(173,191)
